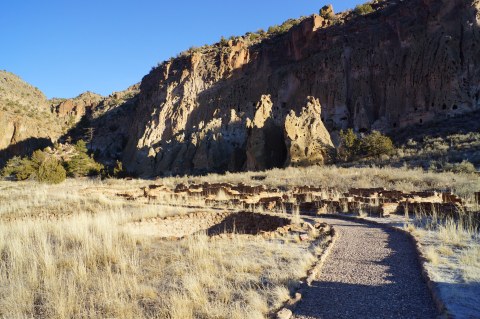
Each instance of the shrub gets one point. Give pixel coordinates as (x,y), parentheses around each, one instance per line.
(253,36)
(19,168)
(47,168)
(363,9)
(118,170)
(349,145)
(40,166)
(223,41)
(81,164)
(376,144)
(372,145)
(51,171)
(287,25)
(464,167)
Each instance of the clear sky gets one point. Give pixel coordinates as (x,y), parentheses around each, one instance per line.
(66,47)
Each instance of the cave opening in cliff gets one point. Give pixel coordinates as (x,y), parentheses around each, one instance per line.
(275,148)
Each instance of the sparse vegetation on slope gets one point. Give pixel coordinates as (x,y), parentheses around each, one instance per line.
(450,145)
(363,9)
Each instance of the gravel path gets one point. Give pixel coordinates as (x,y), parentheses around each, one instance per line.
(371,272)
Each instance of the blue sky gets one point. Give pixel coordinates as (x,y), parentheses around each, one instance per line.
(66,47)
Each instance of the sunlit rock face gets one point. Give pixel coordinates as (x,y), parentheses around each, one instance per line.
(227,107)
(26,120)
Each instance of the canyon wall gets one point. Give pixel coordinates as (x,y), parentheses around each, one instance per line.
(26,121)
(231,107)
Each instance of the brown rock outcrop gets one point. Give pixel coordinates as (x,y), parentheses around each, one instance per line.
(77,107)
(409,62)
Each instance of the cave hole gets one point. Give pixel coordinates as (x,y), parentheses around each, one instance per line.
(284,105)
(395,124)
(444,106)
(363,130)
(455,106)
(421,121)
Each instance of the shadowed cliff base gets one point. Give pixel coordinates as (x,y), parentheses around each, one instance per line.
(23,148)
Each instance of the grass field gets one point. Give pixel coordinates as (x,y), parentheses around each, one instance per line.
(64,255)
(66,250)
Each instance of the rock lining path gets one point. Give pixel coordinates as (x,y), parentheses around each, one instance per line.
(371,272)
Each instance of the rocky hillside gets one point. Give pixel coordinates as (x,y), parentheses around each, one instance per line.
(26,120)
(103,122)
(282,100)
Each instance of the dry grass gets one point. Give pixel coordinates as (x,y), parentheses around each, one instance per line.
(432,255)
(470,259)
(453,233)
(70,256)
(65,250)
(341,179)
(445,250)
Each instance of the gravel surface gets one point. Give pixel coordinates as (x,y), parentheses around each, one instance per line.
(371,272)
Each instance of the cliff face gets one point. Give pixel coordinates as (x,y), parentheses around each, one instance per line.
(26,122)
(225,107)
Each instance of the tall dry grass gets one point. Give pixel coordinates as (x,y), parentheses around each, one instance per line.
(341,179)
(86,264)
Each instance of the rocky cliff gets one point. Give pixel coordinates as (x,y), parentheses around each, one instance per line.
(26,121)
(282,100)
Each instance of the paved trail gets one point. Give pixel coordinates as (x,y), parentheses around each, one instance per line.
(371,272)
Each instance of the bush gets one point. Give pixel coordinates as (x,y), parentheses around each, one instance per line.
(81,164)
(19,168)
(45,167)
(40,166)
(363,9)
(464,167)
(349,145)
(376,144)
(284,27)
(118,170)
(51,171)
(223,42)
(372,145)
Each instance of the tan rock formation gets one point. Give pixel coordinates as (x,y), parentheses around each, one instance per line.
(308,141)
